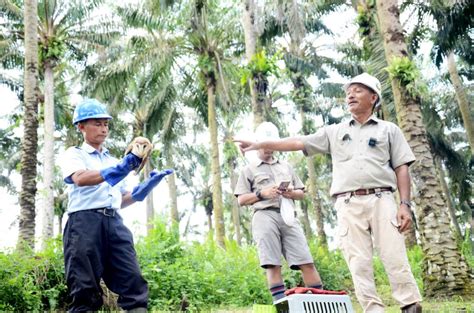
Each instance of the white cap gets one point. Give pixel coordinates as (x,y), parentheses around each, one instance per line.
(266,131)
(369,81)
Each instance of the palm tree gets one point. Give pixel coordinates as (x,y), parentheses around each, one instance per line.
(372,54)
(201,40)
(139,78)
(210,40)
(300,66)
(62,34)
(10,156)
(445,273)
(149,98)
(259,65)
(231,154)
(462,100)
(302,61)
(450,163)
(454,21)
(305,219)
(197,155)
(30,139)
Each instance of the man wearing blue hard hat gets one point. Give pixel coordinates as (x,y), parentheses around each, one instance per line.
(97,245)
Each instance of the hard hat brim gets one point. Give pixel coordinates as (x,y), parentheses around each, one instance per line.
(97,116)
(345,86)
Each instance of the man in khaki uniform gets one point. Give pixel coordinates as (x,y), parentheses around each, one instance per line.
(370,161)
(258,187)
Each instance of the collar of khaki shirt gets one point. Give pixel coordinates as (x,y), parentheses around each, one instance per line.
(371,119)
(259,162)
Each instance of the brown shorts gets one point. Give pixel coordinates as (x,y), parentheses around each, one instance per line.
(274,238)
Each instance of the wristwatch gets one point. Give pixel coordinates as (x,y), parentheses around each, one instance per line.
(258,193)
(406,202)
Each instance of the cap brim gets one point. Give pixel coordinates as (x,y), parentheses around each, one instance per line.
(100,116)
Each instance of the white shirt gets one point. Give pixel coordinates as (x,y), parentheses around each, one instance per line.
(102,195)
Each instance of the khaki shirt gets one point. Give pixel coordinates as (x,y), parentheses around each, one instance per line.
(355,163)
(259,175)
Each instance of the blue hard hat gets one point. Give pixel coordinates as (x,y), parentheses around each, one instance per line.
(89,108)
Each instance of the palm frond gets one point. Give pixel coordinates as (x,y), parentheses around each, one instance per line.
(326,6)
(139,18)
(331,90)
(14,84)
(11,10)
(454,24)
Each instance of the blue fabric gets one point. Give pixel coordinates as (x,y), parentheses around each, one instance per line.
(115,174)
(102,195)
(140,192)
(97,246)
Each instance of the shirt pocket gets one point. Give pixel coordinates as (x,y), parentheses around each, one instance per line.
(342,150)
(378,147)
(262,180)
(283,174)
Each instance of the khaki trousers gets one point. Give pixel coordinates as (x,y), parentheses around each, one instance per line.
(365,223)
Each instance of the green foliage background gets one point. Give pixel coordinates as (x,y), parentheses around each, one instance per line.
(200,274)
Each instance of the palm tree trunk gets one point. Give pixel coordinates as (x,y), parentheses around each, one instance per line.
(26,232)
(375,59)
(172,190)
(313,194)
(410,237)
(209,222)
(470,216)
(215,165)
(462,101)
(451,207)
(305,219)
(410,234)
(250,29)
(302,98)
(150,209)
(235,206)
(299,84)
(445,271)
(262,102)
(48,174)
(60,224)
(250,34)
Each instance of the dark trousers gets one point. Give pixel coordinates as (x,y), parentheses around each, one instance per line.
(98,246)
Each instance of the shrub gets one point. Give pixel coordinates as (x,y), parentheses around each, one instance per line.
(196,276)
(199,276)
(31,282)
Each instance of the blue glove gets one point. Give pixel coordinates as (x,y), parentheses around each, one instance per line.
(142,190)
(115,174)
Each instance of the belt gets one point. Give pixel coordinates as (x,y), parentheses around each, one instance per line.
(362,192)
(106,211)
(272,208)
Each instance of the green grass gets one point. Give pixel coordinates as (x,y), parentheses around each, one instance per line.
(428,307)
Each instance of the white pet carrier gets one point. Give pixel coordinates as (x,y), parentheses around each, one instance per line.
(314,303)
